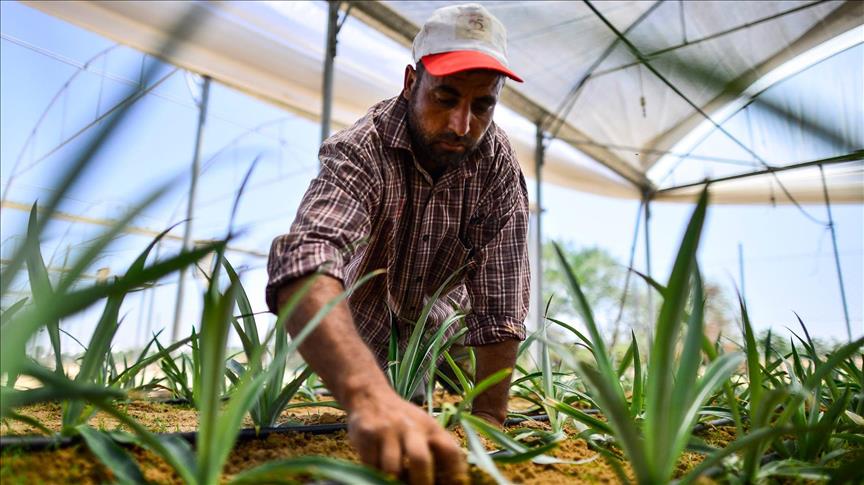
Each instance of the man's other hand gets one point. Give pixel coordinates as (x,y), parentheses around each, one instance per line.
(399,438)
(489,418)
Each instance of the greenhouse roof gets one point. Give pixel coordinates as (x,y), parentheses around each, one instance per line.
(639,97)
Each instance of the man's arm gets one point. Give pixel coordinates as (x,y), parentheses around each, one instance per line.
(388,432)
(492,404)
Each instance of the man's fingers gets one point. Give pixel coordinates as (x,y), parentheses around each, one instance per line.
(419,459)
(391,455)
(402,441)
(365,442)
(450,464)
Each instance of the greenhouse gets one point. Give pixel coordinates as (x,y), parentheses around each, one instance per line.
(579,242)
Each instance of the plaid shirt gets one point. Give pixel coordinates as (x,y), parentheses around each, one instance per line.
(371,190)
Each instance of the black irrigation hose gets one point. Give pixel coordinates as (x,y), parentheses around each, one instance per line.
(38,443)
(712,424)
(521,419)
(718,470)
(179,401)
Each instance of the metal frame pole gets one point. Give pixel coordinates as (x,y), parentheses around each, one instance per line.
(836,254)
(632,259)
(190,207)
(539,154)
(329,59)
(741,270)
(650,296)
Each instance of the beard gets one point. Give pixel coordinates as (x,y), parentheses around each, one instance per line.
(426,148)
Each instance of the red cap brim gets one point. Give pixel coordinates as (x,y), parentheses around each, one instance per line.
(447,63)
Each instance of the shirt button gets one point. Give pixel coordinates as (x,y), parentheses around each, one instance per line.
(418,279)
(425,238)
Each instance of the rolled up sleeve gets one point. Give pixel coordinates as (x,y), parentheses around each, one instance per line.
(333,219)
(499,288)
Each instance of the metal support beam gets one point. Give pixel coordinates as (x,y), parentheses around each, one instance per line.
(334,25)
(190,206)
(852,157)
(836,255)
(329,59)
(134,230)
(647,204)
(741,271)
(630,264)
(539,154)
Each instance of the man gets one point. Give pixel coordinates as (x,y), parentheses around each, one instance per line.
(428,184)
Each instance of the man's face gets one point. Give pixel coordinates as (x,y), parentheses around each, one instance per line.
(449,115)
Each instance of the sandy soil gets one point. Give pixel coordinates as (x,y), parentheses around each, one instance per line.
(170,418)
(76,464)
(158,417)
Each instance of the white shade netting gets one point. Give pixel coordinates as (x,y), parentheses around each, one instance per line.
(647,96)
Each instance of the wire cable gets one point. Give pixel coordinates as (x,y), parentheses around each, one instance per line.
(699,110)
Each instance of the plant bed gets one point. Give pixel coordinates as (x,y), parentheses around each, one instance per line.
(177,415)
(37,459)
(795,412)
(75,463)
(159,417)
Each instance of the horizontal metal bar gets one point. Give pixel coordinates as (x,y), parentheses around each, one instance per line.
(63,216)
(852,157)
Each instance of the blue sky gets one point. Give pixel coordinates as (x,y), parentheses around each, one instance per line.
(789,262)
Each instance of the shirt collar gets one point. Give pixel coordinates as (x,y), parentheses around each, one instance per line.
(392,121)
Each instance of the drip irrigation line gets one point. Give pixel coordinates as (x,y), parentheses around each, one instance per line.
(723,33)
(699,110)
(35,443)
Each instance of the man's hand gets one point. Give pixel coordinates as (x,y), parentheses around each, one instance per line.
(493,420)
(399,438)
(388,432)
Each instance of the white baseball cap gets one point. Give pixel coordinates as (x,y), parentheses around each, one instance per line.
(461,38)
